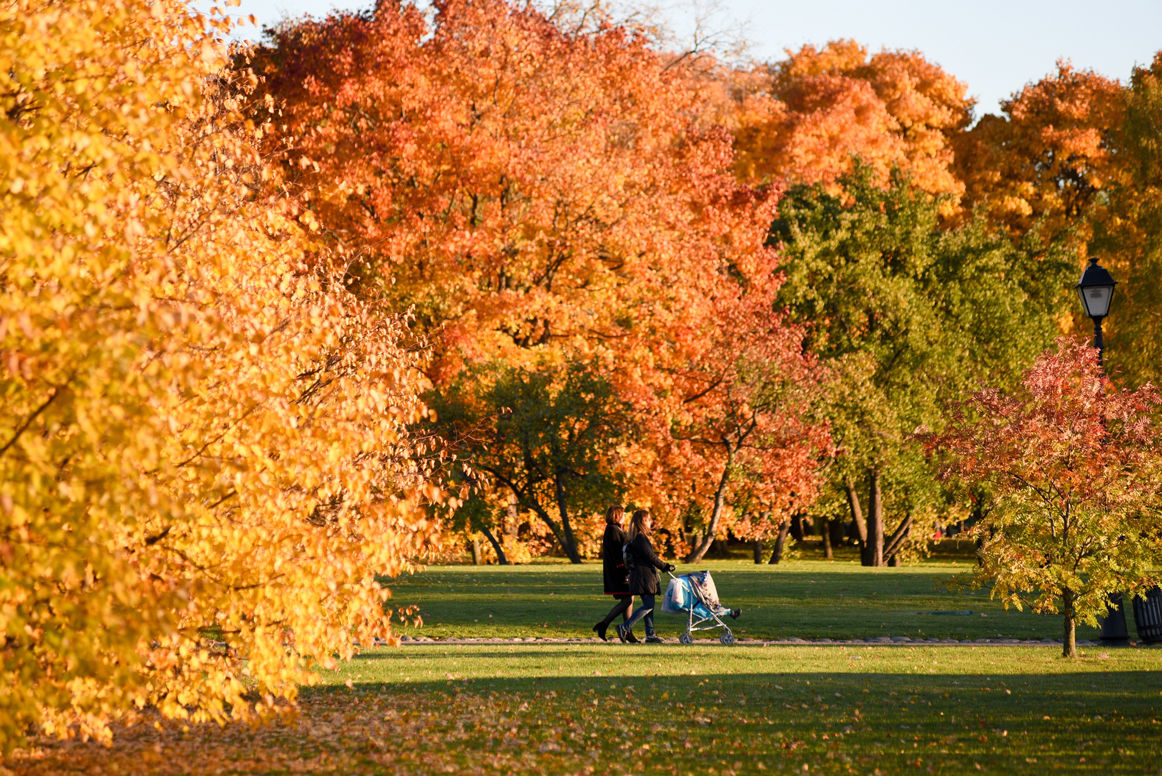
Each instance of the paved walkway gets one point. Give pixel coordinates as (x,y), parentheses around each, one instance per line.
(878,641)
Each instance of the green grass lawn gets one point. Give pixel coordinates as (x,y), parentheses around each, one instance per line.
(835,709)
(805,599)
(589,707)
(605,708)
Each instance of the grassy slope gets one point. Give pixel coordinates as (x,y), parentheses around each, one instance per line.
(835,708)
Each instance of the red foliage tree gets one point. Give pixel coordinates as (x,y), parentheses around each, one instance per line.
(1074,464)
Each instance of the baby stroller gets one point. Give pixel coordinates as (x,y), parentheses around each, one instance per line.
(695,596)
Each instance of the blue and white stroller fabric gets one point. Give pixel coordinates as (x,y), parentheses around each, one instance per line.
(696,596)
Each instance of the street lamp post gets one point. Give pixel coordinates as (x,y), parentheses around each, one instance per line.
(1096,289)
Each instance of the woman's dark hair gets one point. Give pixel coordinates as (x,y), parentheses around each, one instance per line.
(637,523)
(614,514)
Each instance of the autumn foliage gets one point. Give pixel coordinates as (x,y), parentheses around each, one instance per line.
(1075,470)
(569,202)
(234,284)
(1072,160)
(1047,157)
(203,450)
(1127,231)
(807,118)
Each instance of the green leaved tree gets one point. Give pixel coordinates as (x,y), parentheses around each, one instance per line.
(905,317)
(544,440)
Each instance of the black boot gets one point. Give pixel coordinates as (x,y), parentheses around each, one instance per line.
(600,628)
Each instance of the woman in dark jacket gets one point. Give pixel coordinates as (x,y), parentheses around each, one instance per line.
(613,563)
(644,564)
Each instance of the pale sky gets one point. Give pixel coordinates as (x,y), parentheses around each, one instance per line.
(994,46)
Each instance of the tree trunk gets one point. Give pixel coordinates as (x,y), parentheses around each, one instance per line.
(757,546)
(780,543)
(873,547)
(570,543)
(1069,641)
(799,526)
(719,499)
(838,532)
(474,548)
(510,525)
(896,541)
(856,513)
(501,558)
(563,542)
(825,533)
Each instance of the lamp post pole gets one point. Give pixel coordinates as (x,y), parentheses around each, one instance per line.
(1096,289)
(1098,342)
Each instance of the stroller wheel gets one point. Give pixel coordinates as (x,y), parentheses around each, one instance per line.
(685,638)
(727,638)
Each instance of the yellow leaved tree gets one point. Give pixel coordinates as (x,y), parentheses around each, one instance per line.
(204,450)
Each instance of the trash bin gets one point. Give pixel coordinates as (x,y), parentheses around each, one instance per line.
(1113,625)
(1148,616)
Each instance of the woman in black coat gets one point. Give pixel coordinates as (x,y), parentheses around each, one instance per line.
(613,563)
(644,565)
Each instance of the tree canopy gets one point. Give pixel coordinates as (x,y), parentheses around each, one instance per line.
(905,317)
(203,450)
(1075,467)
(571,203)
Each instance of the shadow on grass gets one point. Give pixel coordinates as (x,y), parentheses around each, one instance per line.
(1012,723)
(1074,721)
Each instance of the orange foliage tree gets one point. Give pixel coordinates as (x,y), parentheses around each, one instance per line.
(807,117)
(204,453)
(738,442)
(1046,158)
(1128,233)
(540,193)
(1074,159)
